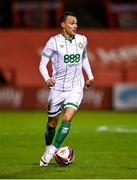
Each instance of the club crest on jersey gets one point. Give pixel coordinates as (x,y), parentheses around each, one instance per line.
(80,45)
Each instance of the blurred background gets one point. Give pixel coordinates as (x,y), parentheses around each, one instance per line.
(111,29)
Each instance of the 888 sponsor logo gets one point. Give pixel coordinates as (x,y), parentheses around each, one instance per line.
(71,58)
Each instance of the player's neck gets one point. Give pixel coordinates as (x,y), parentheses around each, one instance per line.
(67,36)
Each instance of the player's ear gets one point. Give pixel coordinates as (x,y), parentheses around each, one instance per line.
(62,24)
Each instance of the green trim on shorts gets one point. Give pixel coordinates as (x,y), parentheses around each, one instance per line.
(72,104)
(52,113)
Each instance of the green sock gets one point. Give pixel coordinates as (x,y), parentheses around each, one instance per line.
(61,133)
(49,135)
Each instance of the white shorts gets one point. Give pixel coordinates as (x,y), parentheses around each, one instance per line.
(59,100)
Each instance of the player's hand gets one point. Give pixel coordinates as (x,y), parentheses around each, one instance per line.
(51,82)
(88,83)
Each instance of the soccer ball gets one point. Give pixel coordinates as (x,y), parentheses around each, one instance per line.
(64,155)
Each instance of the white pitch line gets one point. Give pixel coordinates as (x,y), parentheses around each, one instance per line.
(116,129)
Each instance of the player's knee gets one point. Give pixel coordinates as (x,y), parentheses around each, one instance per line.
(67,117)
(52,123)
(69,112)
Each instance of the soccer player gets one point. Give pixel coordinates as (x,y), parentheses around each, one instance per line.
(68,54)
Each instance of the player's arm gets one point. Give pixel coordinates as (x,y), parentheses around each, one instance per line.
(87,69)
(44,71)
(46,55)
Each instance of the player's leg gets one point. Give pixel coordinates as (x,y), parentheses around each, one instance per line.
(64,127)
(54,110)
(50,130)
(71,105)
(49,135)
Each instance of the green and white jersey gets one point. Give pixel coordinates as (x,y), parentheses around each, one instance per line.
(67,61)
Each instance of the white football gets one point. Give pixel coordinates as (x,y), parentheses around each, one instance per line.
(64,155)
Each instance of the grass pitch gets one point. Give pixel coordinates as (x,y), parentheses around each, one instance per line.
(104,142)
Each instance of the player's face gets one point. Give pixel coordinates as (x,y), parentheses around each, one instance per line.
(70,25)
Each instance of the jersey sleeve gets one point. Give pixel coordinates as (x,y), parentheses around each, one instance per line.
(46,55)
(85,46)
(49,48)
(43,67)
(85,64)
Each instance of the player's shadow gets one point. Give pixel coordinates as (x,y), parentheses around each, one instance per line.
(52,164)
(33,170)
